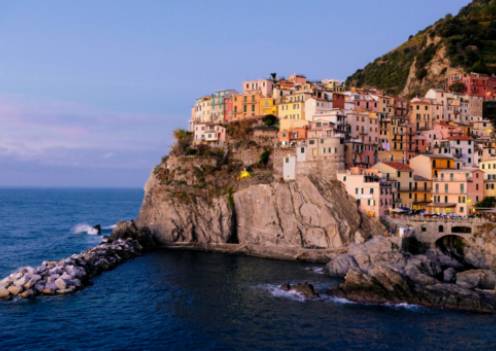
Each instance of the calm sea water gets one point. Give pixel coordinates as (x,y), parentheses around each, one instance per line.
(187,300)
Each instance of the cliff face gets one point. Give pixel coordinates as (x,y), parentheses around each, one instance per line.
(464,42)
(310,213)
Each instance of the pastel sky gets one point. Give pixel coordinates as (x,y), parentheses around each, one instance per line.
(91,90)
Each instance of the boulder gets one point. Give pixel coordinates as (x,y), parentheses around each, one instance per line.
(4,293)
(5,282)
(27,293)
(21,281)
(304,289)
(341,264)
(60,284)
(477,278)
(14,290)
(449,275)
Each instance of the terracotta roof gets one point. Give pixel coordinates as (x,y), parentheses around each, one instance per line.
(460,137)
(398,165)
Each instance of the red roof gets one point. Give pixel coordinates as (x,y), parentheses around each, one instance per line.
(460,137)
(399,166)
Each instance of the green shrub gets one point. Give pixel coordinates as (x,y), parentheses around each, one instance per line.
(264,158)
(458,88)
(487,202)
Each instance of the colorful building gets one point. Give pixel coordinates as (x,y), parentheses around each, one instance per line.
(212,134)
(429,165)
(263,87)
(488,166)
(374,195)
(457,191)
(246,106)
(402,174)
(476,84)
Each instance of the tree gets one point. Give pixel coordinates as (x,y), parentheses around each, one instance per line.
(273,76)
(458,87)
(488,202)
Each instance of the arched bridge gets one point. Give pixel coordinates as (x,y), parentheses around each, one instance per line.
(430,230)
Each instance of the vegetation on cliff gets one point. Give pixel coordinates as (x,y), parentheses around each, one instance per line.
(203,171)
(466,41)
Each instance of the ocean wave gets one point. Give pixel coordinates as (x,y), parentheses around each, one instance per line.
(276,291)
(110,227)
(338,300)
(83,228)
(316,269)
(403,305)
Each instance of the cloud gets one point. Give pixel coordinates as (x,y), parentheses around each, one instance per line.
(65,133)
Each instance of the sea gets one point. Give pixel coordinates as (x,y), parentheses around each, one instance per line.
(183,300)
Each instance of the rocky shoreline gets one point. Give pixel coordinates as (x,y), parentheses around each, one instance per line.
(69,274)
(380,271)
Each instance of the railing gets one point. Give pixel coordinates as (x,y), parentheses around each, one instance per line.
(420,218)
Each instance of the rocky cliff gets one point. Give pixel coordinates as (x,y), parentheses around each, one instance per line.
(262,214)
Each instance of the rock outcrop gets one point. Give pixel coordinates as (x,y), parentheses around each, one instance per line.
(378,271)
(309,214)
(305,289)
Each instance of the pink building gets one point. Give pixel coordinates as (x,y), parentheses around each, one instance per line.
(476,84)
(262,86)
(363,126)
(457,190)
(212,134)
(374,195)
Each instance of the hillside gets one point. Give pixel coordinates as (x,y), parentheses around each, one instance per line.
(465,42)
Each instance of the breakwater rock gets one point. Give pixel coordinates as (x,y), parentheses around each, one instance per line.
(69,274)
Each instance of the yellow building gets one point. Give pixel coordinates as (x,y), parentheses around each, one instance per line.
(420,115)
(422,192)
(489,169)
(268,106)
(403,175)
(291,115)
(429,165)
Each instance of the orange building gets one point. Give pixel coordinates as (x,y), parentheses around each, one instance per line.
(288,136)
(246,106)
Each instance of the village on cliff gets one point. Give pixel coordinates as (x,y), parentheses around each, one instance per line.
(433,155)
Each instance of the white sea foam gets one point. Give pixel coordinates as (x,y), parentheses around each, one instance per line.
(403,305)
(83,228)
(338,300)
(109,227)
(276,291)
(316,269)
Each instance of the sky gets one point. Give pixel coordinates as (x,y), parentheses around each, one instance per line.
(90,91)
